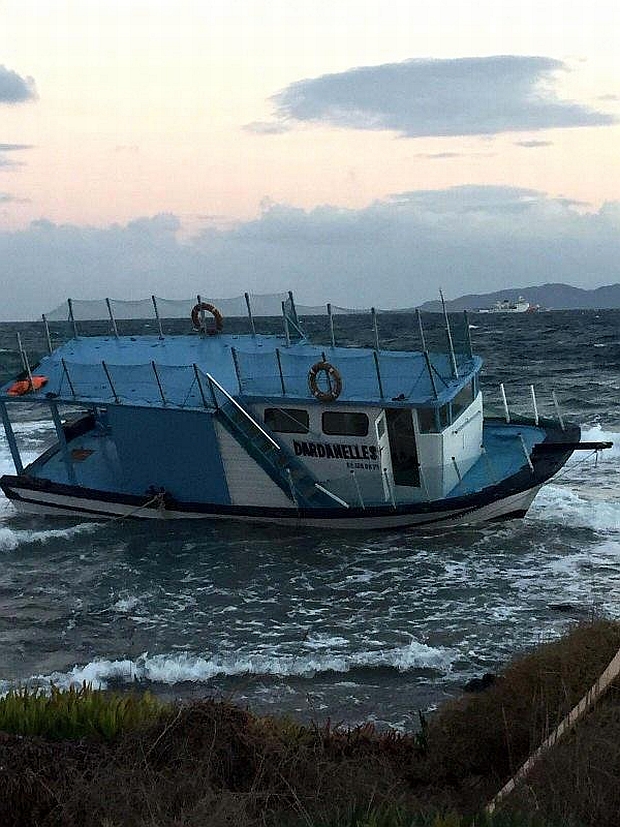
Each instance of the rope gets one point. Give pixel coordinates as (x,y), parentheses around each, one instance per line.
(159,498)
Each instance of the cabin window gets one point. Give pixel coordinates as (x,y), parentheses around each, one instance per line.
(433,420)
(287,420)
(462,400)
(345,423)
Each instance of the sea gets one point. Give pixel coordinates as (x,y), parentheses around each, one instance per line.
(317,625)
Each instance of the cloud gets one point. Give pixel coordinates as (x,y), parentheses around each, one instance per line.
(470,239)
(14,88)
(533,144)
(433,97)
(9,162)
(267,127)
(7,198)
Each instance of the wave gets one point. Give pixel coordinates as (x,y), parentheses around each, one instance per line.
(172,669)
(11,538)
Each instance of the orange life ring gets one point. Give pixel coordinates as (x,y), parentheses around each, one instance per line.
(210,308)
(334,382)
(23,386)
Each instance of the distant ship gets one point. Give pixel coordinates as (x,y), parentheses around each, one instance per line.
(507,306)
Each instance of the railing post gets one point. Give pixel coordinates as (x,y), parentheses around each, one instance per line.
(504,400)
(378,370)
(70,383)
(421,329)
(357,488)
(235,358)
(389,487)
(156,309)
(292,487)
(467,334)
(455,371)
(72,318)
(112,319)
(109,378)
(526,452)
(429,368)
(24,359)
(159,385)
(557,410)
(250,316)
(456,468)
(280,370)
(62,440)
(10,438)
(534,404)
(375,328)
(47,334)
(199,383)
(287,334)
(331,324)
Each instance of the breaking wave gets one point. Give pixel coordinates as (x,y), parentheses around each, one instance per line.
(172,669)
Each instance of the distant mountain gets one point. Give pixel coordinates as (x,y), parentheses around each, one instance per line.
(549,296)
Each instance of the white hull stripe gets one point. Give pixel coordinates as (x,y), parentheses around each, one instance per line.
(39,502)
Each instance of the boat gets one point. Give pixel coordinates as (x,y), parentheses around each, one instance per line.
(521,305)
(217,422)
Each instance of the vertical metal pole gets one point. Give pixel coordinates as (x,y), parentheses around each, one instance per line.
(375,327)
(71,388)
(235,358)
(112,319)
(376,355)
(526,452)
(10,438)
(535,406)
(24,359)
(202,314)
(357,488)
(467,334)
(280,369)
(287,334)
(199,383)
(503,393)
(293,308)
(456,468)
(421,329)
(557,410)
(389,487)
(250,316)
(156,309)
(455,371)
(107,373)
(72,318)
(159,385)
(47,334)
(429,368)
(62,441)
(331,324)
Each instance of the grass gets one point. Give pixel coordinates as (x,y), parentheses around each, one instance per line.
(85,757)
(80,712)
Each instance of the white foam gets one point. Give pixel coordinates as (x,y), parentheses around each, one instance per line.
(176,668)
(11,538)
(556,503)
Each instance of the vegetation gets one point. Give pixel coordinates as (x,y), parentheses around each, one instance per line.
(85,757)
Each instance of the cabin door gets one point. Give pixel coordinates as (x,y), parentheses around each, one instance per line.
(403,450)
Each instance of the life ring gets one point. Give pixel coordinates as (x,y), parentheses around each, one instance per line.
(210,308)
(334,382)
(23,386)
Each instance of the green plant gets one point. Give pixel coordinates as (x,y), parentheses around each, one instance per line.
(77,712)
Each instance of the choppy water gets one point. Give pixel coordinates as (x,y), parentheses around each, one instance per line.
(350,626)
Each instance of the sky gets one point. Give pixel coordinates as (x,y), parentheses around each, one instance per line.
(363,153)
